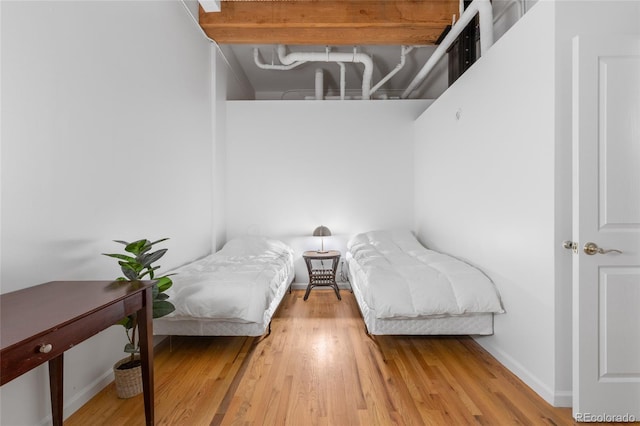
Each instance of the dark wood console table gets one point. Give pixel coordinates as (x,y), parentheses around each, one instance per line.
(38,324)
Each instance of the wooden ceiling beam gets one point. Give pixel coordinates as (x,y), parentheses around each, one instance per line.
(329,22)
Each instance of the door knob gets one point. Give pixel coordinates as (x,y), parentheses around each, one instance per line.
(592,248)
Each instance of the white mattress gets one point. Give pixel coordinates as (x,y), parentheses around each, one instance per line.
(233,292)
(403,288)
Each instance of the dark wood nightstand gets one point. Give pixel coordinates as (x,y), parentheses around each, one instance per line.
(321,275)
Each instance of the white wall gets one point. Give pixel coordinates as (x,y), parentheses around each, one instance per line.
(229,83)
(295,165)
(485,188)
(219,114)
(506,204)
(106,134)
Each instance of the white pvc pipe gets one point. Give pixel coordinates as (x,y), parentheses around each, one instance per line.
(210,5)
(287,59)
(519,3)
(319,84)
(403,53)
(260,64)
(485,11)
(343,79)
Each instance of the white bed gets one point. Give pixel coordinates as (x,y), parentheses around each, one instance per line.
(403,288)
(233,292)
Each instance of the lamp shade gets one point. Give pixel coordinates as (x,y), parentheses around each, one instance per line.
(322,231)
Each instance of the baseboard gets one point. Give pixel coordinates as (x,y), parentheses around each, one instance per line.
(342,285)
(554,398)
(563,399)
(83,396)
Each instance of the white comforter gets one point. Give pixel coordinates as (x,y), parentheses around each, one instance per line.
(237,283)
(400,278)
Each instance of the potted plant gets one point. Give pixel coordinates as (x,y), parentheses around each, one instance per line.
(137,265)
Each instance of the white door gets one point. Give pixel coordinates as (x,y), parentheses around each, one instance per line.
(606,213)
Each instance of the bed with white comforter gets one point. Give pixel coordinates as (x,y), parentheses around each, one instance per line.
(404,288)
(233,292)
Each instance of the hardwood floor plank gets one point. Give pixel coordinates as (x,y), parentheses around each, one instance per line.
(319,367)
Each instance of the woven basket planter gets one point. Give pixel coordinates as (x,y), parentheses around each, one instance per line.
(129,381)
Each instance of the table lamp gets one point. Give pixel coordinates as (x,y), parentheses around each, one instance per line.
(322,231)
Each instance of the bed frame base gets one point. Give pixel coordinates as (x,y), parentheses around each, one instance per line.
(472,324)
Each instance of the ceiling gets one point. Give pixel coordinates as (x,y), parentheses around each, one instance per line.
(377,28)
(300,82)
(329,22)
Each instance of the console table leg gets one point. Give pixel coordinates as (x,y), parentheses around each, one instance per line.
(56,375)
(145,328)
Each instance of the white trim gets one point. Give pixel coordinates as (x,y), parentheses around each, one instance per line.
(555,398)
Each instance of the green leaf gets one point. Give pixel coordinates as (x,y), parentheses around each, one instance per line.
(134,266)
(149,245)
(121,242)
(159,241)
(120,256)
(131,274)
(130,349)
(136,246)
(161,296)
(162,308)
(148,259)
(154,292)
(164,283)
(126,322)
(149,271)
(146,247)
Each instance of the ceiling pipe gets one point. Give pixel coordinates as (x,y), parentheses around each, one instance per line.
(485,11)
(343,79)
(210,5)
(319,84)
(328,56)
(260,64)
(519,3)
(403,53)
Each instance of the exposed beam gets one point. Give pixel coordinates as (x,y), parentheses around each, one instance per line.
(330,22)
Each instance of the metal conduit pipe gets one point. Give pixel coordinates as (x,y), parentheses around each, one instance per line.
(287,59)
(260,64)
(319,84)
(485,11)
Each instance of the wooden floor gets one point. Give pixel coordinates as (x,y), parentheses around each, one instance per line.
(319,367)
